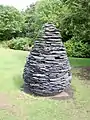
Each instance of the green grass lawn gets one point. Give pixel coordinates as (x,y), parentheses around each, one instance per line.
(16,105)
(79,62)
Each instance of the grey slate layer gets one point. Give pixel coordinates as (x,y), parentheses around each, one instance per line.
(47,68)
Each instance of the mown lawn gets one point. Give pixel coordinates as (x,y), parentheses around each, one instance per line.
(79,62)
(16,105)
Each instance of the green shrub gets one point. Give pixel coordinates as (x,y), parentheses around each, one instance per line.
(77,49)
(20,43)
(3,44)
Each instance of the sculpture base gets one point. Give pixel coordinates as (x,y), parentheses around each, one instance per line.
(64,94)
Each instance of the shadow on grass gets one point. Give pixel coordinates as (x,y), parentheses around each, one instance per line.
(18,81)
(19,84)
(82,72)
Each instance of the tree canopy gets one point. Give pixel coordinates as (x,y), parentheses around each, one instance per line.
(10,22)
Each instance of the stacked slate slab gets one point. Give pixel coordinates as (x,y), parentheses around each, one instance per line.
(47,68)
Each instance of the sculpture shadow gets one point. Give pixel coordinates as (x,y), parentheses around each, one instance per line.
(19,84)
(69,90)
(18,81)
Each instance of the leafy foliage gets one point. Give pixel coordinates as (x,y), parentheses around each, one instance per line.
(11,22)
(29,23)
(41,12)
(20,43)
(70,16)
(77,22)
(77,49)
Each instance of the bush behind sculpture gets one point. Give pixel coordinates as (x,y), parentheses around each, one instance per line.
(20,43)
(77,49)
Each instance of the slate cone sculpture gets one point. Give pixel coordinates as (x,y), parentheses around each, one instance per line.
(47,69)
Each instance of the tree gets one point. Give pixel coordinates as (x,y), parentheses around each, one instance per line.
(29,24)
(11,22)
(41,12)
(70,16)
(77,22)
(49,11)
